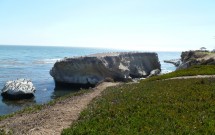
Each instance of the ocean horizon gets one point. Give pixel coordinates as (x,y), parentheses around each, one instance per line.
(35,62)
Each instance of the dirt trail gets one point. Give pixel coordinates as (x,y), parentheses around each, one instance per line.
(190,77)
(51,120)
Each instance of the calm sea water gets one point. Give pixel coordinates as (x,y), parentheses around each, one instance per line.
(35,63)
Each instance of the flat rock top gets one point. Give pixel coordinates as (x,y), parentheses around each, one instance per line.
(104,54)
(198,55)
(107,54)
(115,54)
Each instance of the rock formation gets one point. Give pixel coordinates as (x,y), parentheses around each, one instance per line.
(18,89)
(190,58)
(154,72)
(175,62)
(92,69)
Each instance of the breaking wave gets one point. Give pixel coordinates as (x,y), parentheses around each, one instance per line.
(46,61)
(10,62)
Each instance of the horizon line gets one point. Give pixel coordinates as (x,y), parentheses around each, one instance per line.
(90,47)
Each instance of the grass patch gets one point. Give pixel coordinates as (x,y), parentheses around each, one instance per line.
(192,71)
(36,108)
(3,132)
(151,107)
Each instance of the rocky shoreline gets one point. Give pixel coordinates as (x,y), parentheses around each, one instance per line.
(63,113)
(88,71)
(191,58)
(52,119)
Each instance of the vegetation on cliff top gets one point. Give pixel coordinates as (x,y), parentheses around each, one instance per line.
(192,71)
(153,107)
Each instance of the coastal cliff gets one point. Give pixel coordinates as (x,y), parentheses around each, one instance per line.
(92,69)
(190,58)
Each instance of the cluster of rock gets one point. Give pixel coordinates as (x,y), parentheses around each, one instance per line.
(18,89)
(92,69)
(190,58)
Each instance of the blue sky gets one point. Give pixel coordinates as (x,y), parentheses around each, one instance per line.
(155,25)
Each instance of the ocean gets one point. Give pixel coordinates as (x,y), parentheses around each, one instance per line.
(35,62)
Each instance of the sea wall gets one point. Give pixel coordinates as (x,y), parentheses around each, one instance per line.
(92,69)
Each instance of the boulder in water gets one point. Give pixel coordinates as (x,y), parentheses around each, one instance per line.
(92,69)
(18,89)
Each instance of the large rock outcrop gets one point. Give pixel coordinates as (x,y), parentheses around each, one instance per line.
(18,89)
(92,69)
(190,58)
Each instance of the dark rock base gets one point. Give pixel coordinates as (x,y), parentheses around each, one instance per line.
(17,97)
(72,85)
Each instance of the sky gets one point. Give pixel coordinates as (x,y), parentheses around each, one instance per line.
(150,25)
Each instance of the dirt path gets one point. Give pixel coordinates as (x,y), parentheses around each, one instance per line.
(51,120)
(190,77)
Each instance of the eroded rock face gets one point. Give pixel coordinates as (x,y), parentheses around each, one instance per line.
(18,89)
(92,69)
(190,58)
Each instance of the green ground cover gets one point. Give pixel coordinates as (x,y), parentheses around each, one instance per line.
(192,71)
(153,107)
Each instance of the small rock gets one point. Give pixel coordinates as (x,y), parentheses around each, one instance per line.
(18,89)
(154,72)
